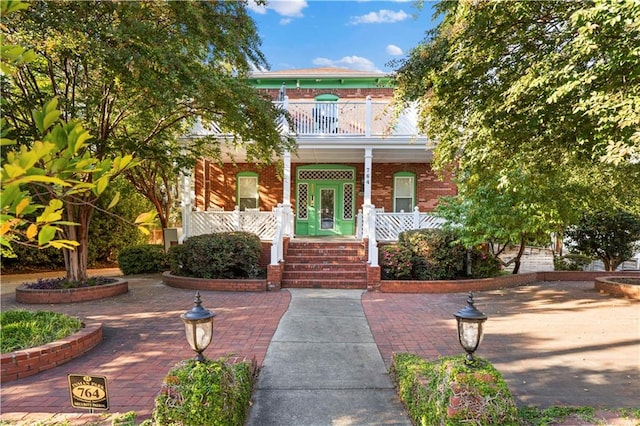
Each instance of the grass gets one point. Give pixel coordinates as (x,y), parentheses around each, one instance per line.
(22,329)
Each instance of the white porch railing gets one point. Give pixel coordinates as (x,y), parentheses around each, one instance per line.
(388,226)
(263,224)
(349,118)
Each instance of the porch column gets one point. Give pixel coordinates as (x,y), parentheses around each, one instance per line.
(286,196)
(367,206)
(186,204)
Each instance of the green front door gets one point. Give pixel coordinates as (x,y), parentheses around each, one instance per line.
(325,202)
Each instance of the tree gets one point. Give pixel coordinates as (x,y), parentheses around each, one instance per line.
(534,104)
(611,236)
(139,74)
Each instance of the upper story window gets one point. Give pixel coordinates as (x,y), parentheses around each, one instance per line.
(404,191)
(325,113)
(247,188)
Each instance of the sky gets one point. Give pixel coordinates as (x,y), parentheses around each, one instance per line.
(361,35)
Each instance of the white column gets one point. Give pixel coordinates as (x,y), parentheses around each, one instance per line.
(368,117)
(186,205)
(367,206)
(286,194)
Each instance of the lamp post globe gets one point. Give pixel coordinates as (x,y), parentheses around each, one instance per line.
(198,326)
(470,328)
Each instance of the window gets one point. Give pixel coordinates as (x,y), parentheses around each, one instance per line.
(325,113)
(247,188)
(404,189)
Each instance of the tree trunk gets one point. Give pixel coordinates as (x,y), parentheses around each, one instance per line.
(76,261)
(516,263)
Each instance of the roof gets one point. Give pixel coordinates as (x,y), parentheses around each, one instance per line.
(324,77)
(317,72)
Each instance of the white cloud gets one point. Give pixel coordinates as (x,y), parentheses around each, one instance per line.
(351,62)
(379,17)
(394,50)
(285,21)
(290,8)
(253,6)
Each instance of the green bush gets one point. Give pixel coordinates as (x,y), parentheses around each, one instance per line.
(29,258)
(395,262)
(111,232)
(21,329)
(220,255)
(448,392)
(484,264)
(436,254)
(143,259)
(213,393)
(571,262)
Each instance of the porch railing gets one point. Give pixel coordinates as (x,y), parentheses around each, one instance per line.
(388,226)
(263,224)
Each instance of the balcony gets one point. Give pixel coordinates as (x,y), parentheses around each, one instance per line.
(349,118)
(373,119)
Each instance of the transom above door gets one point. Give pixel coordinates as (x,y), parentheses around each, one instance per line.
(325,197)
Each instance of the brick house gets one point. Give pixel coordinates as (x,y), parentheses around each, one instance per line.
(357,174)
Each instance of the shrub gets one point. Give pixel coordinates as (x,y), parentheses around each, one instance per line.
(571,262)
(143,259)
(446,391)
(395,262)
(212,392)
(436,254)
(21,329)
(29,258)
(110,233)
(220,255)
(484,264)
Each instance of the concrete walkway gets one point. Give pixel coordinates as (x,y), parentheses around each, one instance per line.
(324,368)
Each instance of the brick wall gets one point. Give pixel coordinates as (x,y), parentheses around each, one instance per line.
(215,185)
(25,363)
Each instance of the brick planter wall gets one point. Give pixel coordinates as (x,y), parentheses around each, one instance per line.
(457,286)
(214,285)
(19,364)
(505,281)
(70,295)
(609,285)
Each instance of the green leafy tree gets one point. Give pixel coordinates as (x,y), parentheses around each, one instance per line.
(611,236)
(534,109)
(51,175)
(140,74)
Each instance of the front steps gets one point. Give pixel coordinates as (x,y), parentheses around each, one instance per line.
(325,264)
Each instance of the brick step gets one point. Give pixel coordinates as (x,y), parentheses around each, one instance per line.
(320,267)
(325,275)
(323,252)
(321,283)
(326,260)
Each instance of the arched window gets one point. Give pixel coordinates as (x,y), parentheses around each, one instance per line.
(404,191)
(247,190)
(325,113)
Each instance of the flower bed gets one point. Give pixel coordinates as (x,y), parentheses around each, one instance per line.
(619,286)
(25,363)
(214,284)
(24,294)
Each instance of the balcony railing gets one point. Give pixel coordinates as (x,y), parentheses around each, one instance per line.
(349,118)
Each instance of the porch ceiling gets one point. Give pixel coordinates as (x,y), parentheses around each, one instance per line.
(351,151)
